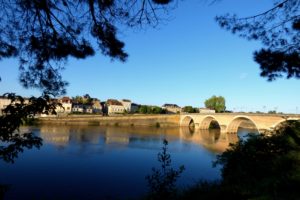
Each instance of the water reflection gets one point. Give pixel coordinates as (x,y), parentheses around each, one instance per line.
(110,161)
(213,140)
(106,136)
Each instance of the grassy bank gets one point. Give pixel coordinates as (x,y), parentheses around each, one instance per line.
(126,120)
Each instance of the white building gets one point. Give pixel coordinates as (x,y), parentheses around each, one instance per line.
(77,108)
(127,105)
(114,107)
(206,110)
(171,108)
(3,103)
(66,105)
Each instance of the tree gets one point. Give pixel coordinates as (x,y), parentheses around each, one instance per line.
(272,112)
(15,115)
(259,167)
(189,109)
(162,181)
(85,99)
(216,103)
(264,166)
(158,110)
(43,34)
(144,109)
(278,29)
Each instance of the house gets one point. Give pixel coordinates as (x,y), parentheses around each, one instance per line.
(114,107)
(96,106)
(77,108)
(171,108)
(4,101)
(206,110)
(88,108)
(127,105)
(66,105)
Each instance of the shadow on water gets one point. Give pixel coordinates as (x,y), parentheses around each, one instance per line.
(3,190)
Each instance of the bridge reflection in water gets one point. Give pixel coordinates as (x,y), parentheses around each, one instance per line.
(213,139)
(139,137)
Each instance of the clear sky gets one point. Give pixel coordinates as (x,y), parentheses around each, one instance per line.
(184,61)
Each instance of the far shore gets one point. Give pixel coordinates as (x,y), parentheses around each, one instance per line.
(150,120)
(159,120)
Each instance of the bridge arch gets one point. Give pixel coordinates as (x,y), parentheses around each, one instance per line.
(235,123)
(206,122)
(187,121)
(278,124)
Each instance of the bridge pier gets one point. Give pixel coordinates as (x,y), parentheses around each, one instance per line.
(223,128)
(197,126)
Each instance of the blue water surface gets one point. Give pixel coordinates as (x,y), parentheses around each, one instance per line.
(92,162)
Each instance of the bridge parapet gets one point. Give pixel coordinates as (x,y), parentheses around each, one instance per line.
(230,122)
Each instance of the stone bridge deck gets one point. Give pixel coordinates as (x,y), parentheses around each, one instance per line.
(230,122)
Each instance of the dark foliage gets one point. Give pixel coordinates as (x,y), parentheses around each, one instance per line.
(162,181)
(264,167)
(260,167)
(144,109)
(278,30)
(15,115)
(189,109)
(274,63)
(43,34)
(3,190)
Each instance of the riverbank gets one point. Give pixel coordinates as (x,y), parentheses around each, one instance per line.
(154,120)
(126,120)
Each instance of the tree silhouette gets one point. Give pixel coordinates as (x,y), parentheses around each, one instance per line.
(162,181)
(278,29)
(15,115)
(43,34)
(263,166)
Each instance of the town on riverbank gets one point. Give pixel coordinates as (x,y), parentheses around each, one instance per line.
(86,105)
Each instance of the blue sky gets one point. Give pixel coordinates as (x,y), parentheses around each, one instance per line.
(184,61)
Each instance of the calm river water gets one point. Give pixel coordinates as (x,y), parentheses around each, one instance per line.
(90,162)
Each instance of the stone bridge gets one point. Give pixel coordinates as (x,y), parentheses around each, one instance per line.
(230,122)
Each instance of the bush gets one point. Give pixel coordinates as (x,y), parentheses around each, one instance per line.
(260,167)
(264,167)
(162,181)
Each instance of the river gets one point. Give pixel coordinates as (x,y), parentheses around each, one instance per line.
(92,162)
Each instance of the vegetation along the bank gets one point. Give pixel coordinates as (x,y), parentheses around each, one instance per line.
(264,166)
